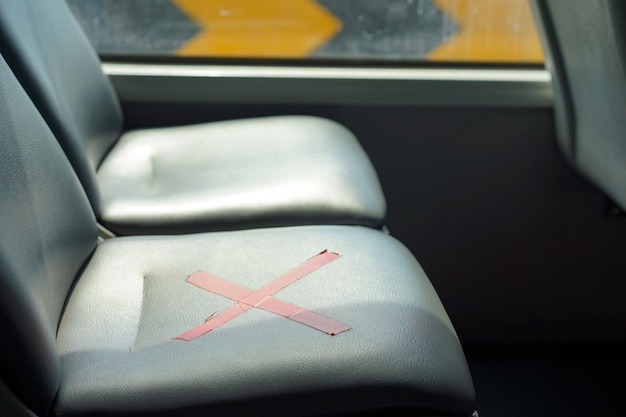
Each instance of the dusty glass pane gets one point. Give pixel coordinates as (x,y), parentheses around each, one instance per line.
(396,30)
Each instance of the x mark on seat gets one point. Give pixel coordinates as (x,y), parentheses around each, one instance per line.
(262,298)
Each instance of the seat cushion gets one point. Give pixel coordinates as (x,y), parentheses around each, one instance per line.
(276,171)
(118,355)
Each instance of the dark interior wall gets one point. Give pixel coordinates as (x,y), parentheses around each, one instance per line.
(519,247)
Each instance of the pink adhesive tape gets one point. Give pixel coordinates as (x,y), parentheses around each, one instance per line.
(246,299)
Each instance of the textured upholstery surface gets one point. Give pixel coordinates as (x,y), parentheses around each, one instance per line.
(47,231)
(61,72)
(246,173)
(196,178)
(585,42)
(118,356)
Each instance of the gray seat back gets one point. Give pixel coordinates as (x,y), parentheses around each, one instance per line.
(58,68)
(48,231)
(584,42)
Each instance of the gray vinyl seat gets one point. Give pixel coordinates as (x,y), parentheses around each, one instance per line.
(585,46)
(89,328)
(275,171)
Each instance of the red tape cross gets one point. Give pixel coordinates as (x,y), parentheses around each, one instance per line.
(262,299)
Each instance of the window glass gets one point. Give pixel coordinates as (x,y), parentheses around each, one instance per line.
(390,30)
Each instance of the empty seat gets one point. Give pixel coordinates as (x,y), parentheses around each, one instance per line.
(251,173)
(103,329)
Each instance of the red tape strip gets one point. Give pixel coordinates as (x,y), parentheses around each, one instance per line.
(262,299)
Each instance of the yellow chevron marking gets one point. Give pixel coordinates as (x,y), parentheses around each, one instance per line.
(490,30)
(257,28)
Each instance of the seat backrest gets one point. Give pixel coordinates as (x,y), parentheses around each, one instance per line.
(585,48)
(60,71)
(47,232)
